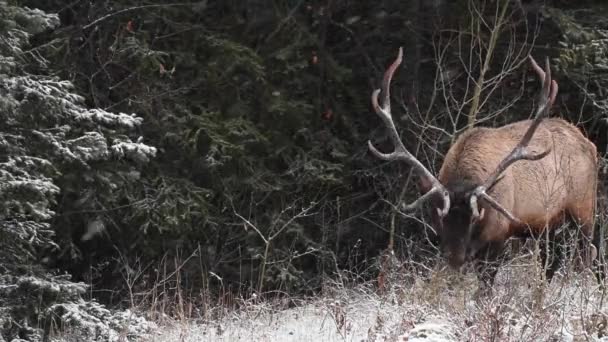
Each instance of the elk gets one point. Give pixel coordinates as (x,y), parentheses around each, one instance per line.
(520,180)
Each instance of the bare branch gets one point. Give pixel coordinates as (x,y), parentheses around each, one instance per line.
(130,9)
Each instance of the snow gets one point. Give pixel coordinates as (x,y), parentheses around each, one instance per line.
(521,308)
(436,330)
(93,322)
(365,319)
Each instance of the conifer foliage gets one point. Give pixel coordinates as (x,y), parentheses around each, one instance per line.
(245,166)
(49,138)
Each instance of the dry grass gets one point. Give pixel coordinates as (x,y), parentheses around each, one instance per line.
(442,307)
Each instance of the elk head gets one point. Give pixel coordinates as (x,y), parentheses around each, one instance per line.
(456,215)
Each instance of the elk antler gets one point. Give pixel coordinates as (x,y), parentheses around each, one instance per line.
(520,152)
(400,152)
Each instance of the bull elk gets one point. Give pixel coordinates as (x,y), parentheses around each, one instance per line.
(520,180)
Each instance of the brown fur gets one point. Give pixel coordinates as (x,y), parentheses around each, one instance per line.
(525,176)
(540,193)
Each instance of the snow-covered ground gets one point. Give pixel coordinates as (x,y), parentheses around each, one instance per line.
(362,319)
(521,308)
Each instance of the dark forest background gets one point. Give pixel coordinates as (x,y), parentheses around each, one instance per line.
(245,168)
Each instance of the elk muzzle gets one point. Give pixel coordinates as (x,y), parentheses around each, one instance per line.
(455,257)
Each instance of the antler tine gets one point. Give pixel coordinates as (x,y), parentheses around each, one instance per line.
(520,152)
(547,96)
(401,153)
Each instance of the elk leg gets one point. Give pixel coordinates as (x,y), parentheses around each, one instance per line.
(587,251)
(591,249)
(599,266)
(551,255)
(583,221)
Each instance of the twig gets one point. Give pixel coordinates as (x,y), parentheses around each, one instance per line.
(125,10)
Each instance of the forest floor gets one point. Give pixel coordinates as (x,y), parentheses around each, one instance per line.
(521,308)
